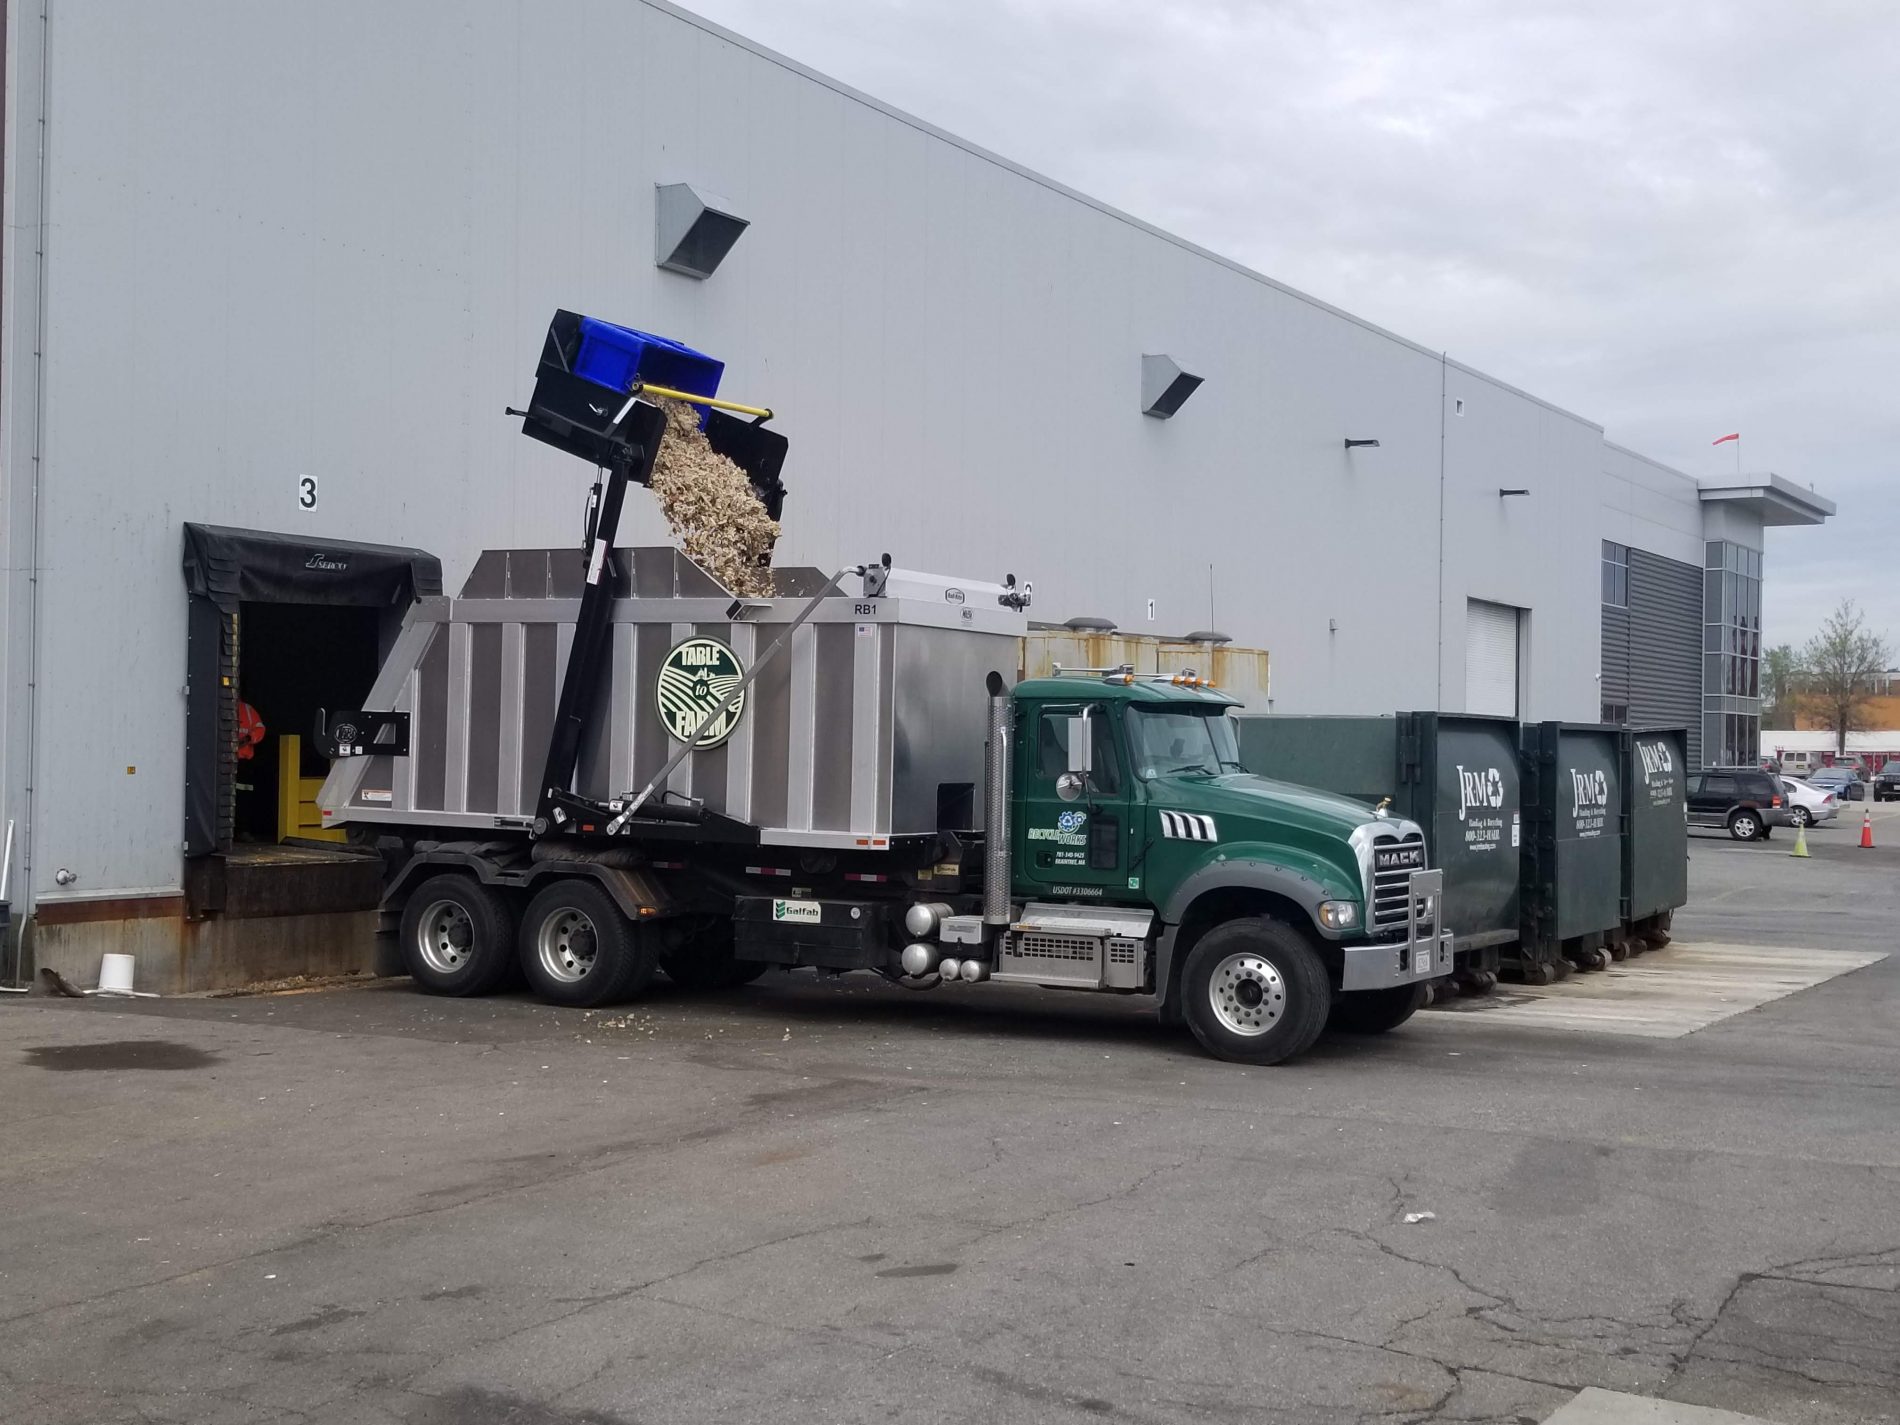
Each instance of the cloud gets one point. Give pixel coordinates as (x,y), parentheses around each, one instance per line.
(1677,219)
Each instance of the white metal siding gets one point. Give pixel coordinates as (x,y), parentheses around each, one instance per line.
(1491,659)
(327,240)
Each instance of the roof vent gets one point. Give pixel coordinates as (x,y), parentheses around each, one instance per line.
(1165,387)
(1089,625)
(1208,635)
(692,231)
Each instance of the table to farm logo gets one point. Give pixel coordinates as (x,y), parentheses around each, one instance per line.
(695,683)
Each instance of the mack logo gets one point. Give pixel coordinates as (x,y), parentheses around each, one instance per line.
(1479,789)
(1589,791)
(318,560)
(695,681)
(1656,760)
(953,596)
(1408,857)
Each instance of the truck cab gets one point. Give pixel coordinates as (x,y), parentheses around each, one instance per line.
(1255,910)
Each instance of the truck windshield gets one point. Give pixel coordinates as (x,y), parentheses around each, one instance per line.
(1170,740)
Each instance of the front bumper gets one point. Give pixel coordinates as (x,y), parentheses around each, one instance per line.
(1424,954)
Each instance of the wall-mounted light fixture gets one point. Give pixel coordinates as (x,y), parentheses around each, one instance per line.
(692,231)
(1164,386)
(1504,494)
(1351,443)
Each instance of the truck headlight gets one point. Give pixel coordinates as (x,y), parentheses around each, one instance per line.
(1339,915)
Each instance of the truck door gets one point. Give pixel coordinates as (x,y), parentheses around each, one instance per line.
(1064,846)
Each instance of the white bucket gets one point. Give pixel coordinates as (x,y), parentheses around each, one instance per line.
(115,975)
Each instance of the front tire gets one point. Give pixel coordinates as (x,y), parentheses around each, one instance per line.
(1255,991)
(1745,826)
(455,936)
(1376,1011)
(578,949)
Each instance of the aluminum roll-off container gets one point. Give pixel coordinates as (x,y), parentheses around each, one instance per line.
(1454,774)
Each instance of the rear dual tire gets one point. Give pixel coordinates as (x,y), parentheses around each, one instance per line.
(1255,991)
(457,936)
(578,949)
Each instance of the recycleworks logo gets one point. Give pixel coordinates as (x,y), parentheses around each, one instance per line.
(695,682)
(1479,789)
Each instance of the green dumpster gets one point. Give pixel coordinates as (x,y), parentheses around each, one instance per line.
(1656,834)
(1456,775)
(1572,863)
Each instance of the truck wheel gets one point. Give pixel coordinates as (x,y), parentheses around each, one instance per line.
(578,949)
(1745,826)
(1255,991)
(1375,1011)
(706,962)
(455,936)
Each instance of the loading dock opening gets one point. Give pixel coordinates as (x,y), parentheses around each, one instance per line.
(277,622)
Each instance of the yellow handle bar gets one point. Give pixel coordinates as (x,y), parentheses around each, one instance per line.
(668,393)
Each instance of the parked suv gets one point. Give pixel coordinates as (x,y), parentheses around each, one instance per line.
(1887,784)
(1744,801)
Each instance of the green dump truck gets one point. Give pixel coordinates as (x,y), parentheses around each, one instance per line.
(599,765)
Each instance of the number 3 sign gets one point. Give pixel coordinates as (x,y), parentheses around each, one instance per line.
(306,492)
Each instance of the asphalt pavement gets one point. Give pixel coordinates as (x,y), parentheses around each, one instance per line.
(847,1202)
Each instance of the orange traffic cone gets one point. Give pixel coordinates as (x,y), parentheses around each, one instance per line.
(1867,831)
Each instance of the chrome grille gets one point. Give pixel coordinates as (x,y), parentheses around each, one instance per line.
(1393,861)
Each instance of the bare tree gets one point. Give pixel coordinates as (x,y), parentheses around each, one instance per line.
(1839,665)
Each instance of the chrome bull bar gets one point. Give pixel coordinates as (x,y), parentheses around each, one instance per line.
(1424,954)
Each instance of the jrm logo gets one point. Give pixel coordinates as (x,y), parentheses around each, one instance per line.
(1479,789)
(1656,759)
(1590,791)
(695,683)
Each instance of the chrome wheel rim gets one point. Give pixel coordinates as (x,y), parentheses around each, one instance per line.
(1801,816)
(1247,994)
(1745,827)
(445,937)
(565,945)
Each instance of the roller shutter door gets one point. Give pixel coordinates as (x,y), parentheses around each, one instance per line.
(1490,658)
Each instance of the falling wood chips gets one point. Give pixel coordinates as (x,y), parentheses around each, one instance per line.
(711,507)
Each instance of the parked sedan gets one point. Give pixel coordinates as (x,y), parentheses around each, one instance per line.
(1844,782)
(1887,784)
(1809,805)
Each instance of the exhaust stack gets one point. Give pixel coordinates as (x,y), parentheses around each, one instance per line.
(996,912)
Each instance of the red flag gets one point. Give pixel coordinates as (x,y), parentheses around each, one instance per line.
(1720,439)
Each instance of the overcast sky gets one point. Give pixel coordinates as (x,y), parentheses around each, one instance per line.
(1677,219)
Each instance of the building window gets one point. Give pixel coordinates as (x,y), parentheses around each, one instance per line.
(1731,642)
(1616,714)
(1616,575)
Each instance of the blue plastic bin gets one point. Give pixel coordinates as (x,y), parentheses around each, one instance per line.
(616,356)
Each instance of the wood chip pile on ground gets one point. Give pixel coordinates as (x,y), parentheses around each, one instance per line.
(712,508)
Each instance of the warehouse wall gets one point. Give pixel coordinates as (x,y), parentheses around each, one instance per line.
(325,240)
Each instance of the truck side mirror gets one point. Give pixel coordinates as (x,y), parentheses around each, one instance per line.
(1081,746)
